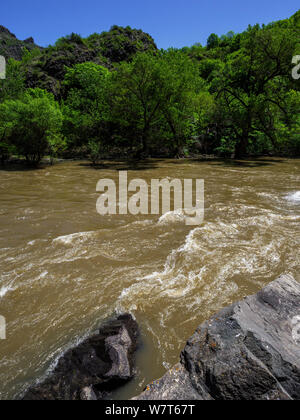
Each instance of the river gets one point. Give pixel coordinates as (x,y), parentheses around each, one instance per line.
(64,268)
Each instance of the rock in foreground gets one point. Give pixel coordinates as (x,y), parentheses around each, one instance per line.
(97,366)
(249,351)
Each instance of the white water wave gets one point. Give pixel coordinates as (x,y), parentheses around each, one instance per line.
(295,197)
(173,217)
(73,237)
(4,290)
(249,249)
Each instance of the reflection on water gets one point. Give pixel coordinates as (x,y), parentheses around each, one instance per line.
(64,268)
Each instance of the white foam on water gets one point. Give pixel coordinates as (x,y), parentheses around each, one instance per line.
(187,270)
(70,239)
(174,282)
(4,290)
(295,197)
(173,217)
(142,223)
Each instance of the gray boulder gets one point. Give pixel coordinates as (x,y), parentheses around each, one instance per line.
(95,368)
(175,385)
(248,351)
(88,394)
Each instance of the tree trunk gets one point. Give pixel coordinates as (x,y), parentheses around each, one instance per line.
(241,148)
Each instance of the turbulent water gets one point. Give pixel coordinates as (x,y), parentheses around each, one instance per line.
(64,268)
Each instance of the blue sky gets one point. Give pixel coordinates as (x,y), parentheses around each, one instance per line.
(172,23)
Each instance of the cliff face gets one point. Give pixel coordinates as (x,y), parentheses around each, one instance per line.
(11,47)
(249,351)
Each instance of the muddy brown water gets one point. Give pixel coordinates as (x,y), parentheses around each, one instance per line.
(64,268)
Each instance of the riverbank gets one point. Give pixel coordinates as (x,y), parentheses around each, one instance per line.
(16,162)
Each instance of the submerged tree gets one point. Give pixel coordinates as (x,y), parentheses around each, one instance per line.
(155,99)
(85,107)
(138,93)
(183,100)
(31,124)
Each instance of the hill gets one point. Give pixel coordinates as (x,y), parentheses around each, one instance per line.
(46,67)
(11,47)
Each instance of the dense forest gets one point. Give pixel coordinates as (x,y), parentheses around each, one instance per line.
(115,95)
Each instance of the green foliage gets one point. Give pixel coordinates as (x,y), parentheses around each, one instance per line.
(155,103)
(69,40)
(31,124)
(213,41)
(253,87)
(6,149)
(14,85)
(137,91)
(115,94)
(85,107)
(185,99)
(121,44)
(30,55)
(210,68)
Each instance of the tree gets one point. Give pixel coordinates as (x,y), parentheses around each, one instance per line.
(157,103)
(182,101)
(254,82)
(13,86)
(138,94)
(86,107)
(213,41)
(31,124)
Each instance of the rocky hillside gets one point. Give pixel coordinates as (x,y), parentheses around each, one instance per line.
(11,47)
(45,67)
(249,351)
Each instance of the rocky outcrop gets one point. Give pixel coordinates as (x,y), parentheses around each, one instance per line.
(248,351)
(95,368)
(11,47)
